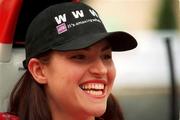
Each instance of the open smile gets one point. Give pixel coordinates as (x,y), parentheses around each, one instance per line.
(95,88)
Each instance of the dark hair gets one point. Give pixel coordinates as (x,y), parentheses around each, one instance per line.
(28,99)
(113,111)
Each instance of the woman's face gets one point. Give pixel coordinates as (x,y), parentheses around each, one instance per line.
(80,81)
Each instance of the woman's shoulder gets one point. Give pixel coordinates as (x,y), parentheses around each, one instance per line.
(8,116)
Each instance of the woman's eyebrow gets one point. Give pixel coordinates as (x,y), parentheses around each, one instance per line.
(107,47)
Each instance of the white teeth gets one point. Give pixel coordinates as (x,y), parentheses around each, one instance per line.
(94,86)
(96,92)
(92,92)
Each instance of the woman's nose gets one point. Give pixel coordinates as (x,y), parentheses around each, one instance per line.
(98,68)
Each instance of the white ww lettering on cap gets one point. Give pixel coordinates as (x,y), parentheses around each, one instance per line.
(93,12)
(78,13)
(60,18)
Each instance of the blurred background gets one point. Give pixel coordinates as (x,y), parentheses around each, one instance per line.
(147,84)
(148,77)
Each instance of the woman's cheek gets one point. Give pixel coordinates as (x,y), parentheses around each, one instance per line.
(112,73)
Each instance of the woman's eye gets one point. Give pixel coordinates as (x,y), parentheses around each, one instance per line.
(107,57)
(78,57)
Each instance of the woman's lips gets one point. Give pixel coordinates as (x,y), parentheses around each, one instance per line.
(94,88)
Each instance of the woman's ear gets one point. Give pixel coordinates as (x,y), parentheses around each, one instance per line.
(36,68)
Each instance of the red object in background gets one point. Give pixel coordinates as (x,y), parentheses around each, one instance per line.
(9,12)
(7,116)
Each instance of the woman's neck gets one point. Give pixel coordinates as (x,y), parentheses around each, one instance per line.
(71,117)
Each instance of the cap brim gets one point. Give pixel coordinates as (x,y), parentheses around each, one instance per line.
(119,41)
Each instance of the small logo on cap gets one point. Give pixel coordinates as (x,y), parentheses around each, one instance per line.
(61,28)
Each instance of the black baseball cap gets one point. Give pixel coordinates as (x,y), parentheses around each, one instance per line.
(71,26)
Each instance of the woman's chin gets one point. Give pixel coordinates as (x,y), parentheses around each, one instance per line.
(97,111)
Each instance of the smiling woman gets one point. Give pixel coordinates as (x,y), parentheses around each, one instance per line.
(68,72)
(69,67)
